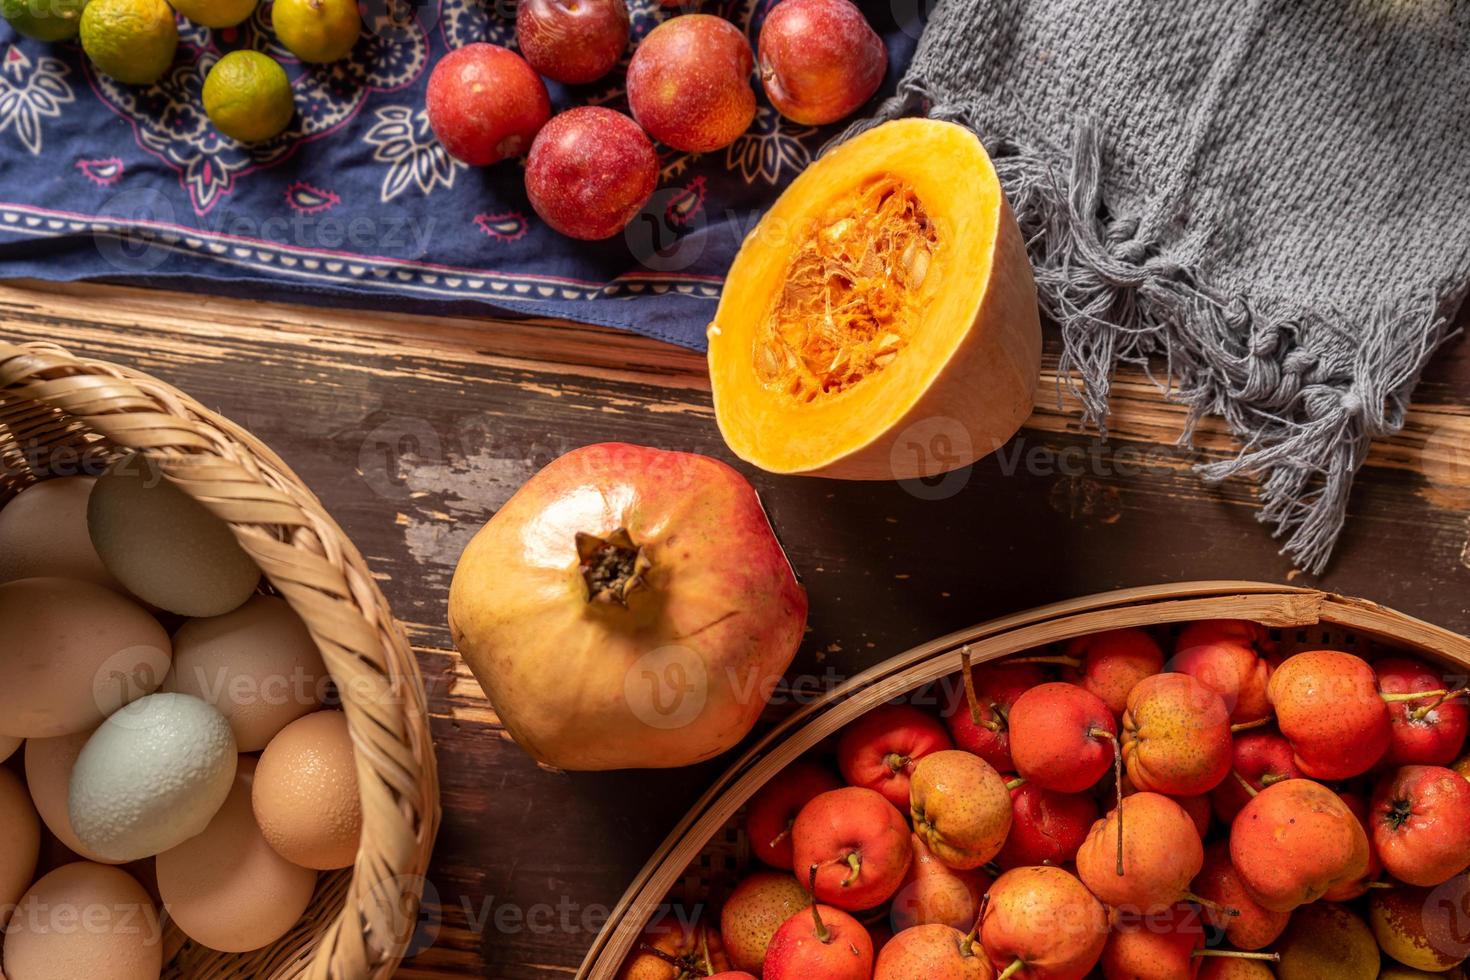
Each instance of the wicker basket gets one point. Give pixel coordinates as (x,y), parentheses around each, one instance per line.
(61,414)
(706,853)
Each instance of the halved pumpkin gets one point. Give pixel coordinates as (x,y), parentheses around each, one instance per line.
(880,321)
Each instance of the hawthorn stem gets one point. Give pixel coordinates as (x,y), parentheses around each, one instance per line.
(668,958)
(1246,726)
(1272,778)
(1010,971)
(1238,954)
(1245,783)
(1019,781)
(824,936)
(783,834)
(1414,695)
(1117,783)
(970,695)
(855,863)
(1212,906)
(1381,884)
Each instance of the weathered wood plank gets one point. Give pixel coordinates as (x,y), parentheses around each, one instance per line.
(414,430)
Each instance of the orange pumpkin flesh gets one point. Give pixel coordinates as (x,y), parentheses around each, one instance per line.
(884,301)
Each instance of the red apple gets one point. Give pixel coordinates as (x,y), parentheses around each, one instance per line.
(881,748)
(772,810)
(859,844)
(1421,824)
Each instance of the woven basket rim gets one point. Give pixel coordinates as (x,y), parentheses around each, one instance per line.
(308,560)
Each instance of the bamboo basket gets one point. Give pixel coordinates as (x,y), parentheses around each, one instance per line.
(706,854)
(78,414)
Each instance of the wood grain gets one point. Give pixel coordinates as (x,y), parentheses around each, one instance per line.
(413,430)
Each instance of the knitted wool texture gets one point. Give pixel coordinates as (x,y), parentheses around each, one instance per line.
(1272,197)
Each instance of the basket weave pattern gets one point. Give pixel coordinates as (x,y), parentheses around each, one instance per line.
(56,411)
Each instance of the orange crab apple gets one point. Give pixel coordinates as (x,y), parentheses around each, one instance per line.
(1047,827)
(1427,732)
(1176,736)
(823,942)
(1253,926)
(1042,924)
(1062,737)
(1328,706)
(1231,657)
(1421,824)
(933,952)
(960,807)
(772,810)
(1295,841)
(978,709)
(933,892)
(1111,663)
(1260,760)
(1161,855)
(880,749)
(857,842)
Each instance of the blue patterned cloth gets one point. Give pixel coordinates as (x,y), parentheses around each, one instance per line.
(356,203)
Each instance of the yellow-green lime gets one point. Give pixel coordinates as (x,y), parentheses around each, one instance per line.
(318,31)
(248,97)
(131,40)
(215,13)
(44,20)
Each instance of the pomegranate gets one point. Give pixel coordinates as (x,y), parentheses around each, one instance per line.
(627,608)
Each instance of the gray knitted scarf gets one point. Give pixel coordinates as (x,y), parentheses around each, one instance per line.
(1270,197)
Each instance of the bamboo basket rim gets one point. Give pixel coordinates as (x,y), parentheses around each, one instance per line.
(359,925)
(1272,605)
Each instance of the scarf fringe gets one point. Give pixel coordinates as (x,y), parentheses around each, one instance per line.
(1305,391)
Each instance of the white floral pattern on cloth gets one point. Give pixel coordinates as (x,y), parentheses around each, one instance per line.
(401,138)
(31,90)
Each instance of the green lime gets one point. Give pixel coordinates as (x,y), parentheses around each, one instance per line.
(131,40)
(215,13)
(318,31)
(248,97)
(44,20)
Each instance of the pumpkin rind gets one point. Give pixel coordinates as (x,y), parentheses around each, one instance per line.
(966,375)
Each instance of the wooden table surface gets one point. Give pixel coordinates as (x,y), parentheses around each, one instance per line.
(413,430)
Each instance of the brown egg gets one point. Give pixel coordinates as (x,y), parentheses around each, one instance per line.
(165,547)
(49,763)
(43,533)
(75,652)
(20,830)
(227,888)
(85,920)
(258,665)
(305,795)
